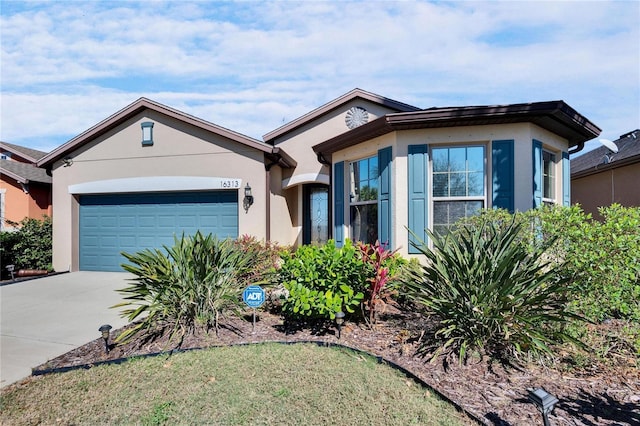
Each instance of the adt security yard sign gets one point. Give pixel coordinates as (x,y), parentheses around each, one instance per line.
(253,296)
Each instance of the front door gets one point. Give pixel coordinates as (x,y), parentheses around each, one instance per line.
(315,204)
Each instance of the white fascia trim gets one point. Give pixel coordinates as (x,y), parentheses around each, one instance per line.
(306,178)
(155,184)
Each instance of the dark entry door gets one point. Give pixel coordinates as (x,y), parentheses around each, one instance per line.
(315,206)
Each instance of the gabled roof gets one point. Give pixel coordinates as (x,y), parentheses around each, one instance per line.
(24,172)
(555,116)
(328,107)
(601,158)
(141,105)
(29,154)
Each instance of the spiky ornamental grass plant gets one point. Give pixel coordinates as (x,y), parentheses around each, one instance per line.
(489,293)
(189,284)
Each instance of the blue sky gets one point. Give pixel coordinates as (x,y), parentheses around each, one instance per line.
(252,66)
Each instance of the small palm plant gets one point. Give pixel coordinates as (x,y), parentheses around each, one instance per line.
(191,283)
(488,291)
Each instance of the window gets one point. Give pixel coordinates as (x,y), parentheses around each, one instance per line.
(147,133)
(458,184)
(5,156)
(548,178)
(363,199)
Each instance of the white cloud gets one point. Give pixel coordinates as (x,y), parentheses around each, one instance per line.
(246,66)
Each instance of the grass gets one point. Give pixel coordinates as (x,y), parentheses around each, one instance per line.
(258,384)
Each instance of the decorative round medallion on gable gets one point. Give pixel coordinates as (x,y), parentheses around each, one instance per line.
(356,116)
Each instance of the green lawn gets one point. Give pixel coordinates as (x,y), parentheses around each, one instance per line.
(257,384)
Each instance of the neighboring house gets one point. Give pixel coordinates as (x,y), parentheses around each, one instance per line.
(362,166)
(602,177)
(25,189)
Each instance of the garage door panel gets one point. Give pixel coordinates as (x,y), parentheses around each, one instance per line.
(110,224)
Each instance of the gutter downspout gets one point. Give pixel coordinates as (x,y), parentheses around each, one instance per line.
(579,148)
(268,199)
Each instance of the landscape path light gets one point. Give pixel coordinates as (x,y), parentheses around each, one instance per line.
(544,401)
(339,321)
(105,330)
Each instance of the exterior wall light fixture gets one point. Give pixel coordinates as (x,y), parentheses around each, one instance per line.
(147,133)
(248,198)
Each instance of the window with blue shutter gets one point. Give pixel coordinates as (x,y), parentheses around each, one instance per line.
(418,160)
(503,176)
(537,173)
(338,203)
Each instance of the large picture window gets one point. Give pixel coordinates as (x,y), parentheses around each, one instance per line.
(458,184)
(363,199)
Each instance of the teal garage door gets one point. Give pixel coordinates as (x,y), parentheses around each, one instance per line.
(111,224)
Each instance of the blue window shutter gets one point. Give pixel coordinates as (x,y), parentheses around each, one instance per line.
(502,161)
(537,173)
(384,197)
(418,159)
(566,179)
(338,203)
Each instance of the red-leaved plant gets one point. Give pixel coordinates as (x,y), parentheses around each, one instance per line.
(375,256)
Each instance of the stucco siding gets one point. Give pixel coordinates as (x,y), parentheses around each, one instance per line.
(298,142)
(178,150)
(617,185)
(18,204)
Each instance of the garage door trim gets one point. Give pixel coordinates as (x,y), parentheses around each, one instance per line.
(156,184)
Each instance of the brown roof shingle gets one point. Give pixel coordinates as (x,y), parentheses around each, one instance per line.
(32,155)
(24,172)
(601,158)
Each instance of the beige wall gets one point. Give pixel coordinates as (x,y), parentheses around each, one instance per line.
(618,185)
(522,134)
(178,150)
(298,144)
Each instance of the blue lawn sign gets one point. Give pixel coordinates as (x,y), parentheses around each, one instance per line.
(253,296)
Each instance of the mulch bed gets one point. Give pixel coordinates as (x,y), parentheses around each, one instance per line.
(494,393)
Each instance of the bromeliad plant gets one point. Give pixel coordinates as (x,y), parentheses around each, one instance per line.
(189,284)
(490,293)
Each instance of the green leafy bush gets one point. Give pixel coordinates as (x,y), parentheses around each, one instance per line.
(29,246)
(322,280)
(602,259)
(489,292)
(191,283)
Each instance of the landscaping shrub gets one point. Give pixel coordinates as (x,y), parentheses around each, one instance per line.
(602,259)
(322,280)
(263,259)
(29,246)
(189,284)
(489,292)
(381,266)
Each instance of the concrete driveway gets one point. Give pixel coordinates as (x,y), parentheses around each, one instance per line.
(43,318)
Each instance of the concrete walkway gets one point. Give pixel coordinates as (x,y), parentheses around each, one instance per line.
(43,318)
